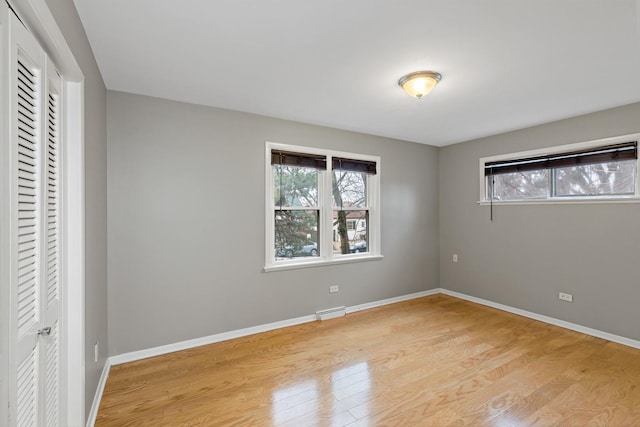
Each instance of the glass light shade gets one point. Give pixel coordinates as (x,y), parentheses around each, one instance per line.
(420,83)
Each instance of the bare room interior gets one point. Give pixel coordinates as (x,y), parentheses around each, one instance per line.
(319,213)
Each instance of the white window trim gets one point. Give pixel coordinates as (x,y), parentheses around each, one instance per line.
(326,257)
(483,200)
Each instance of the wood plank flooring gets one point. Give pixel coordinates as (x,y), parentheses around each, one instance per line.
(433,361)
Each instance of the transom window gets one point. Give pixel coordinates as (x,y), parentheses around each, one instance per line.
(605,169)
(322,206)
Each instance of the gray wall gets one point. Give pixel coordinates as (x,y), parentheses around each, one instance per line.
(186,223)
(95,191)
(186,235)
(531,252)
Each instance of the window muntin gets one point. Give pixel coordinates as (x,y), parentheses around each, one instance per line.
(594,170)
(322,206)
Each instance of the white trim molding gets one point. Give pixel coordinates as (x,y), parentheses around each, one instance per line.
(546,319)
(93,412)
(224,336)
(572,201)
(197,342)
(5,200)
(380,303)
(344,259)
(74,250)
(238,333)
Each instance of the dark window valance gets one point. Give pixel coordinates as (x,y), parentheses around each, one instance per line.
(352,165)
(298,159)
(609,153)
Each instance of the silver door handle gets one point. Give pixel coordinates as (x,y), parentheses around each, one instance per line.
(45,331)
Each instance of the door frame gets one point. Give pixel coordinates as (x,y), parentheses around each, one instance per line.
(36,15)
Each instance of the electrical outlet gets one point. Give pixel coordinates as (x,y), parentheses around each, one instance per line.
(565,297)
(96,352)
(333,289)
(455,257)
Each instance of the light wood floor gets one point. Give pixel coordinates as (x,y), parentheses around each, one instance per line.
(431,361)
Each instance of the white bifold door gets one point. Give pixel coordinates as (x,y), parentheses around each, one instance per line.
(35,246)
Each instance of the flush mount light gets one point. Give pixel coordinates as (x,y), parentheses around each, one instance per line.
(420,83)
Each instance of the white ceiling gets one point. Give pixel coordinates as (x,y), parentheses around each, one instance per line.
(506,64)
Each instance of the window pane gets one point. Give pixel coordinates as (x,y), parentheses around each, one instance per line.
(350,232)
(296,233)
(615,178)
(349,189)
(295,186)
(520,185)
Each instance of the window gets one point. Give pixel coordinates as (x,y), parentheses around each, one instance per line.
(322,206)
(605,169)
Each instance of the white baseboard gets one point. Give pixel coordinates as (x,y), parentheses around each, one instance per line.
(393,300)
(546,319)
(224,336)
(95,405)
(197,342)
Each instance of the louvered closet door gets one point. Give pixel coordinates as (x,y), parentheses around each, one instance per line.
(35,292)
(51,241)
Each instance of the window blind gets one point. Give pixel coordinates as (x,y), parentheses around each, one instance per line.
(609,153)
(351,165)
(289,158)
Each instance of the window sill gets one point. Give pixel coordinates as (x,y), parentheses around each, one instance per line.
(322,262)
(561,201)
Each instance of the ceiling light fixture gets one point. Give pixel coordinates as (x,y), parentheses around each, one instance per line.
(420,83)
